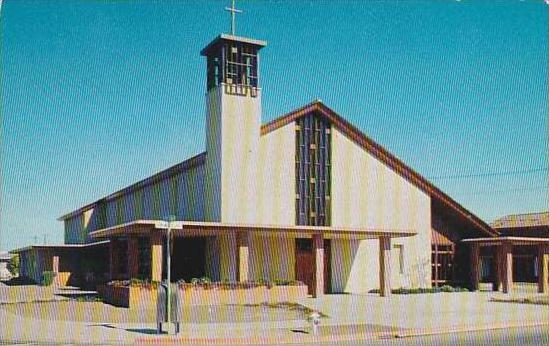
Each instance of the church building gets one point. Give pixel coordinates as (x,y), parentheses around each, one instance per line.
(305,197)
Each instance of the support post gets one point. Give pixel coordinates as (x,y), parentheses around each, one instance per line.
(475,265)
(243,243)
(436,265)
(55,269)
(385,266)
(496,285)
(156,256)
(318,253)
(133,262)
(229,246)
(543,270)
(507,266)
(112,259)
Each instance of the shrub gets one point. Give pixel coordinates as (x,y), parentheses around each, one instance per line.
(402,290)
(13,265)
(447,288)
(47,278)
(285,282)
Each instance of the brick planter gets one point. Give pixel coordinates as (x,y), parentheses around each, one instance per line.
(145,298)
(129,297)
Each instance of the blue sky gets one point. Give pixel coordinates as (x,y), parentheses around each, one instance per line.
(97,95)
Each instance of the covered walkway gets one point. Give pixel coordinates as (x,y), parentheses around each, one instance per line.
(239,246)
(503,255)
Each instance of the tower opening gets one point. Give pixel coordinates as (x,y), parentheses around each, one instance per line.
(233,62)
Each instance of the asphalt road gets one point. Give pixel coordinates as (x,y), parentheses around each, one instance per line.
(515,336)
(536,336)
(526,336)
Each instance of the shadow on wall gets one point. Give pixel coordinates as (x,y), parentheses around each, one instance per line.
(343,259)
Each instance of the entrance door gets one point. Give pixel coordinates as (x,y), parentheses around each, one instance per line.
(304,263)
(188,258)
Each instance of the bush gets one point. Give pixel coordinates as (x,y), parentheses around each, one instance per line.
(47,278)
(285,282)
(445,288)
(13,265)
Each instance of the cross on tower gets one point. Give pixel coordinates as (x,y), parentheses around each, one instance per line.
(233,11)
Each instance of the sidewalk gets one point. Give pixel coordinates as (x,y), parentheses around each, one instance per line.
(351,317)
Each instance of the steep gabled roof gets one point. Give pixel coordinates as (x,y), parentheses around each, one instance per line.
(382,155)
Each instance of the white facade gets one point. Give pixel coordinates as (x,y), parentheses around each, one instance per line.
(368,194)
(232,147)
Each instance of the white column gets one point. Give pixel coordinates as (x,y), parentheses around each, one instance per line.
(507,266)
(385,266)
(318,253)
(243,242)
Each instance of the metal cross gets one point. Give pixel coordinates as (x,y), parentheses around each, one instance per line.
(233,11)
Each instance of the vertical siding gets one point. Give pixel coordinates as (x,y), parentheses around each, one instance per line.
(111,213)
(191,197)
(180,195)
(73,230)
(276,177)
(147,202)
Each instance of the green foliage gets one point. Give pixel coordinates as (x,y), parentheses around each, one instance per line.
(88,299)
(47,278)
(13,265)
(285,282)
(203,281)
(445,288)
(135,282)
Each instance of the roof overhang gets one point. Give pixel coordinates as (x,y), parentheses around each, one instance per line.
(506,240)
(195,228)
(230,38)
(59,247)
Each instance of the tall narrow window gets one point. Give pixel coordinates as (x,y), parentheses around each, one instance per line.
(313,171)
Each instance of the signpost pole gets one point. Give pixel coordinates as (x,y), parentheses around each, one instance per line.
(169,269)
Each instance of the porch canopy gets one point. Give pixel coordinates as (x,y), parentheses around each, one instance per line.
(504,260)
(199,228)
(239,235)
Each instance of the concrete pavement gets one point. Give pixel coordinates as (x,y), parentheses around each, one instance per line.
(351,317)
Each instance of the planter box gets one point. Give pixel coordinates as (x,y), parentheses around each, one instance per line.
(143,298)
(129,297)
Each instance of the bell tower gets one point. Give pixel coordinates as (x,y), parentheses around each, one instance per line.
(233,121)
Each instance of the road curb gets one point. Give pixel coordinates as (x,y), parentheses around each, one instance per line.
(255,340)
(462,329)
(300,339)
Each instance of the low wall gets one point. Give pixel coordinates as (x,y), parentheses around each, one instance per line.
(145,298)
(62,278)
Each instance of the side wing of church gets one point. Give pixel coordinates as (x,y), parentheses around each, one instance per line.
(306,197)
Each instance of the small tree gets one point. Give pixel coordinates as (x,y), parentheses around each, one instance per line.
(13,265)
(47,278)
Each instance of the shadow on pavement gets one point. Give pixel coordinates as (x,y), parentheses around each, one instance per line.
(149,331)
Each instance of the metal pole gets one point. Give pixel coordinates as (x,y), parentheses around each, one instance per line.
(169,264)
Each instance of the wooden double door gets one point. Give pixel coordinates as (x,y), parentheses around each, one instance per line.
(304,263)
